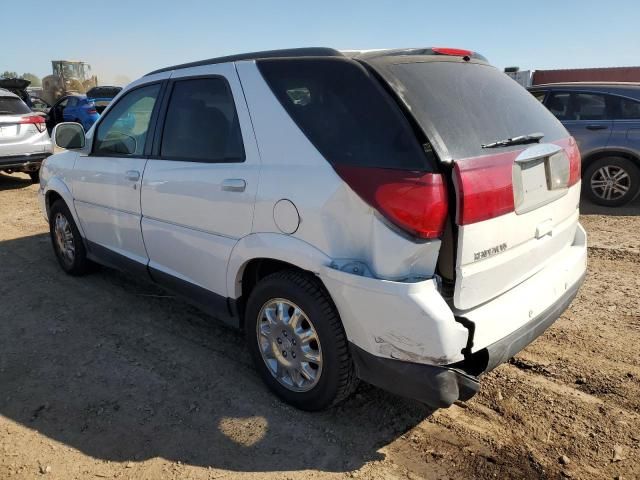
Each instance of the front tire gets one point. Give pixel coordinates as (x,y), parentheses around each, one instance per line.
(66,240)
(297,341)
(35,176)
(611,181)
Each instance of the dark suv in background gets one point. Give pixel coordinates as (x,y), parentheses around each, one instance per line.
(604,118)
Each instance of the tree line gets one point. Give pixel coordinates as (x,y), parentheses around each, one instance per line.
(34,79)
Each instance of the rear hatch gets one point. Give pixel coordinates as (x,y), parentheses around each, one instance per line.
(516,202)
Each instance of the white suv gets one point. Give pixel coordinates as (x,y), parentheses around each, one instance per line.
(404,217)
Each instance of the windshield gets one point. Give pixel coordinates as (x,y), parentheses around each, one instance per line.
(72,70)
(462,106)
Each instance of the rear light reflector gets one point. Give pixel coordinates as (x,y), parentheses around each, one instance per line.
(36,120)
(455,52)
(485,187)
(416,202)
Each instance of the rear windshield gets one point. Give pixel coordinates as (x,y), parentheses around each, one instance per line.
(462,106)
(12,106)
(345,113)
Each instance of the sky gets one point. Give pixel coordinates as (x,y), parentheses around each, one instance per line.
(123,40)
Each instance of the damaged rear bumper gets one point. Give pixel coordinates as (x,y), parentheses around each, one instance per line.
(441,385)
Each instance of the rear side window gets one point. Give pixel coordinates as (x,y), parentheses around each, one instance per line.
(589,106)
(463,105)
(579,106)
(628,109)
(344,112)
(202,123)
(13,106)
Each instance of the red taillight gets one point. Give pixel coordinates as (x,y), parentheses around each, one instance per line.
(414,201)
(91,111)
(36,120)
(455,52)
(575,162)
(485,184)
(485,187)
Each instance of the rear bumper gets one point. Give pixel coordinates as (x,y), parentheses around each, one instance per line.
(440,386)
(24,162)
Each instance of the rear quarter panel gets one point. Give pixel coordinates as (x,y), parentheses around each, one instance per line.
(333,218)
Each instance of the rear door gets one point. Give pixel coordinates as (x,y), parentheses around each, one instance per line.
(200,184)
(515,210)
(70,112)
(586,115)
(106,182)
(626,124)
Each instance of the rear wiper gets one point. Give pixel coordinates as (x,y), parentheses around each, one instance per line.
(519,140)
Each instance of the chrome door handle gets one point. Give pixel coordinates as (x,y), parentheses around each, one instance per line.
(234,185)
(133,175)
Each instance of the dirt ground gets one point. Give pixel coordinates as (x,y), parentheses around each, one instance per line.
(107,377)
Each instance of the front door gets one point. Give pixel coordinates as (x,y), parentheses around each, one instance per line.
(200,184)
(106,186)
(70,112)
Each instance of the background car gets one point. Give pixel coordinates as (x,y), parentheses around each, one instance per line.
(103,95)
(82,109)
(24,141)
(73,108)
(604,118)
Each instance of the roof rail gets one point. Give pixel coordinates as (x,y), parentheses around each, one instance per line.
(290,52)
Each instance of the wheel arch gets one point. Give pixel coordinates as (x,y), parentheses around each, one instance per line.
(613,152)
(258,255)
(57,189)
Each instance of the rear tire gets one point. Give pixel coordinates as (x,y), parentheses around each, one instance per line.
(611,181)
(35,176)
(66,240)
(323,374)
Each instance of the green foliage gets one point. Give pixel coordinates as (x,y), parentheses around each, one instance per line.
(34,79)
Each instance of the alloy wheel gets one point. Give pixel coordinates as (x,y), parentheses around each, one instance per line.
(64,238)
(289,345)
(610,182)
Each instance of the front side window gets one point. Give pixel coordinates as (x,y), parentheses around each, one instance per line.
(539,95)
(123,131)
(201,123)
(558,104)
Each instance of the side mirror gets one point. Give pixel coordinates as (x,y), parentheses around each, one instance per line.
(69,135)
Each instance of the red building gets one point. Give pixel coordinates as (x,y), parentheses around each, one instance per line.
(613,74)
